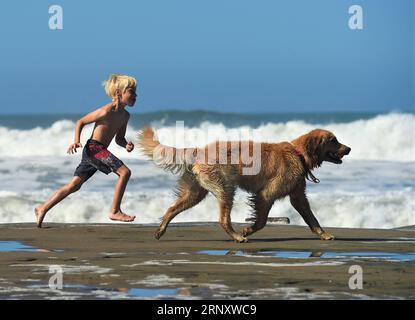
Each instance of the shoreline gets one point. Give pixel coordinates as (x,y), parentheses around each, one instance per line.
(199,261)
(173,224)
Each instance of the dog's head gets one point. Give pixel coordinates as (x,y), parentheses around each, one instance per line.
(321,145)
(333,150)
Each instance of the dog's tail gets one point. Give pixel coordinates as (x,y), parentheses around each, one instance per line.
(168,158)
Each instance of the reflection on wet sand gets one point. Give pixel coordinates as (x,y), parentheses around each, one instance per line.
(391,256)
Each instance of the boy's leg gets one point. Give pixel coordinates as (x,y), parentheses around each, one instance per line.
(73,186)
(116,214)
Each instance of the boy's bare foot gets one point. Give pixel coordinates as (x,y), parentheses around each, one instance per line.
(120,216)
(40,215)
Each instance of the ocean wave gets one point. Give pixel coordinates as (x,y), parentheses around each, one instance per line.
(368,194)
(389,209)
(384,137)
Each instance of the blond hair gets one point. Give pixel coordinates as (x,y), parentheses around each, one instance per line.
(118,82)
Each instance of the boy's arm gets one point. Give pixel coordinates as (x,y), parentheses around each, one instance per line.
(94,116)
(120,137)
(89,118)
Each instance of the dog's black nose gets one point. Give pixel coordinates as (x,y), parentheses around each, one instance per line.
(347,150)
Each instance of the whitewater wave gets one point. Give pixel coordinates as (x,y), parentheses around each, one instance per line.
(336,209)
(384,137)
(356,194)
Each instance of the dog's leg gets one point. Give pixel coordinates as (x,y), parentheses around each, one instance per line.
(214,180)
(225,194)
(299,201)
(190,193)
(185,202)
(261,206)
(225,207)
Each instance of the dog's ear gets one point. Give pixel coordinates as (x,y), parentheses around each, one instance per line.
(314,146)
(321,142)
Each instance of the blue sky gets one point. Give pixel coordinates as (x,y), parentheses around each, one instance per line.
(219,55)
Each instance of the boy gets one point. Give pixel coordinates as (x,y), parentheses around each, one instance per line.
(110,120)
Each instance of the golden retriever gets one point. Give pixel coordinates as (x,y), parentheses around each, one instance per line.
(282,171)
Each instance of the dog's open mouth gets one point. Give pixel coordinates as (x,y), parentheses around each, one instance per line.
(335,157)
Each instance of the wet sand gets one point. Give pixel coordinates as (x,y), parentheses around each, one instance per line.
(199,261)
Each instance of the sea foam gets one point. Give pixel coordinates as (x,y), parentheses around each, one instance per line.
(384,137)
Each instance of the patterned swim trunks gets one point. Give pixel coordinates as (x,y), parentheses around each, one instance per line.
(95,156)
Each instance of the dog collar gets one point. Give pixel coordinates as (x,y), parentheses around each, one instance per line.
(308,173)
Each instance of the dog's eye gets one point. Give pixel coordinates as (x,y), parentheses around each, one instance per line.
(333,139)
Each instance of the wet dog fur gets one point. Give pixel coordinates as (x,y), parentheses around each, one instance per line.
(283,170)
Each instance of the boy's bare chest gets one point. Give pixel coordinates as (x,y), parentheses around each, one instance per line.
(114,120)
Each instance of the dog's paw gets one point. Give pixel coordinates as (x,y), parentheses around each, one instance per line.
(246,232)
(326,236)
(159,233)
(240,239)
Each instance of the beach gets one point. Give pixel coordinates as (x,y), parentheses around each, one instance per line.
(199,261)
(315,103)
(373,187)
(364,202)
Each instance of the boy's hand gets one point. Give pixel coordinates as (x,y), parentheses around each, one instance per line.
(72,148)
(130,146)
